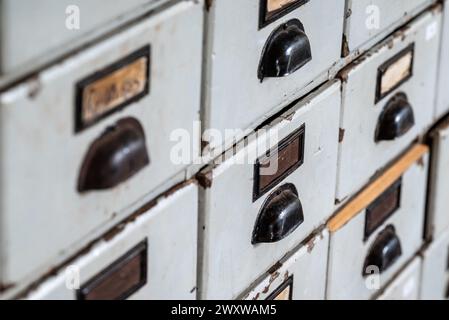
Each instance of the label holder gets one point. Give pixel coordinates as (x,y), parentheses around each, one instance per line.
(80,122)
(386,66)
(265,18)
(258,189)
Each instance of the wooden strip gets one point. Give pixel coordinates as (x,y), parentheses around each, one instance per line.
(374,190)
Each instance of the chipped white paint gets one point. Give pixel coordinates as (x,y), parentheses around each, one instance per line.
(307,266)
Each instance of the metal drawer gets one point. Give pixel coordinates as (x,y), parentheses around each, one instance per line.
(388,98)
(406,286)
(435,274)
(442,103)
(251,217)
(75,160)
(368,21)
(63,25)
(438,217)
(244,45)
(379,230)
(152,256)
(299,276)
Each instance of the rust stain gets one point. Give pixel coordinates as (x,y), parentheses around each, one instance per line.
(274,268)
(34,87)
(208,4)
(348,13)
(341,135)
(420,162)
(310,245)
(6,286)
(205,179)
(345,47)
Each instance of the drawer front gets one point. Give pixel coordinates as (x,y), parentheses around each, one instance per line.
(438,218)
(269,212)
(406,286)
(435,274)
(387,102)
(153,257)
(300,276)
(23,44)
(240,54)
(369,20)
(94,134)
(442,105)
(380,230)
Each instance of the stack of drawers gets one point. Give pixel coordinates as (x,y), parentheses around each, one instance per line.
(225,149)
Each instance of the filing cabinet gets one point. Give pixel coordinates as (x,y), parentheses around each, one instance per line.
(388,96)
(152,256)
(435,277)
(33,32)
(299,276)
(375,234)
(368,21)
(89,138)
(262,200)
(260,56)
(437,215)
(442,103)
(406,286)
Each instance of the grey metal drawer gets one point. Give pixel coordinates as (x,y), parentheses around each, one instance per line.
(259,62)
(90,138)
(435,274)
(406,286)
(388,98)
(379,230)
(301,275)
(264,199)
(368,21)
(150,257)
(34,32)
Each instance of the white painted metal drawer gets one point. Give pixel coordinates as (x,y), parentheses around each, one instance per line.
(33,32)
(442,103)
(438,215)
(239,198)
(63,179)
(299,276)
(368,21)
(435,274)
(378,231)
(388,98)
(406,286)
(163,239)
(236,98)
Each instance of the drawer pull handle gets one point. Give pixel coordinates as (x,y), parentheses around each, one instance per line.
(385,250)
(281,214)
(396,119)
(119,153)
(287,50)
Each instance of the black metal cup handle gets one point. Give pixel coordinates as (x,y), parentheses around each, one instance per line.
(280,215)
